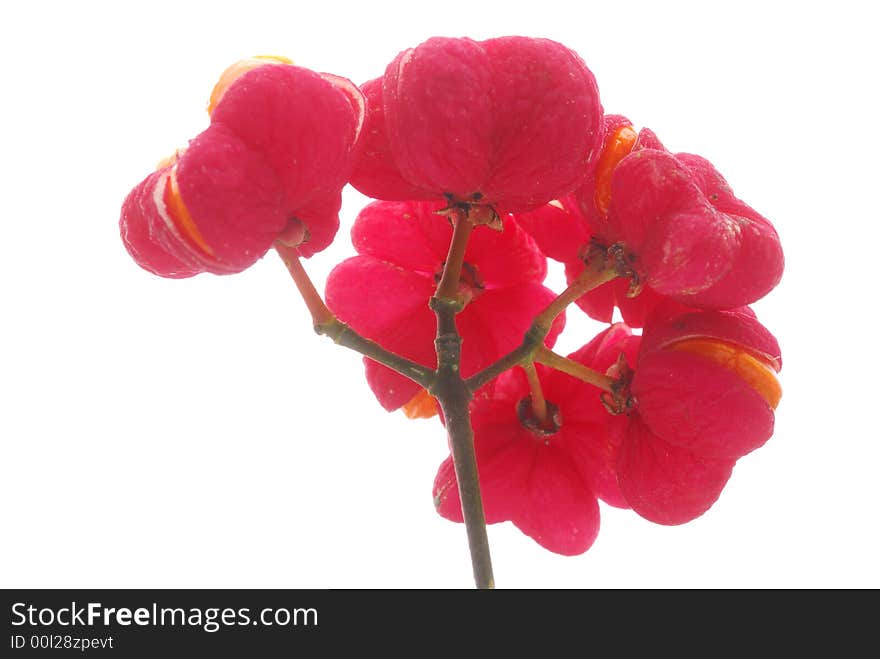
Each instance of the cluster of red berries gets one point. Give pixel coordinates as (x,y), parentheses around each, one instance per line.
(510,136)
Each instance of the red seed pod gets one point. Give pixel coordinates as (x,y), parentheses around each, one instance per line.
(564,234)
(509,123)
(685,234)
(678,228)
(149,235)
(375,172)
(271,165)
(703,395)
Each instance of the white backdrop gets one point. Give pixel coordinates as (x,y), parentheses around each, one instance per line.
(196,433)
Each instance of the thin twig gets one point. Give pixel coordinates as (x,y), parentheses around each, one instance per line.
(597,272)
(449,280)
(345,336)
(454,397)
(555,361)
(539,403)
(326,323)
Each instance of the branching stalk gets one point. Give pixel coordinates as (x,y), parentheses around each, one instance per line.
(446,383)
(327,324)
(454,397)
(549,358)
(596,273)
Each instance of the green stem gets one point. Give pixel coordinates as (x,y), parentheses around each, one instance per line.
(544,355)
(345,336)
(327,324)
(454,397)
(449,280)
(454,401)
(539,403)
(597,272)
(321,315)
(594,275)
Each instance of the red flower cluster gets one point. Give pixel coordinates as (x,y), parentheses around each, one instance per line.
(508,133)
(701,396)
(383,293)
(544,477)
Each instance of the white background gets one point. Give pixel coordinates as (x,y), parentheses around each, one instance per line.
(196,433)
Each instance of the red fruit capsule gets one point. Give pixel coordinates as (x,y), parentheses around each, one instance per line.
(545,477)
(509,123)
(270,166)
(703,395)
(680,231)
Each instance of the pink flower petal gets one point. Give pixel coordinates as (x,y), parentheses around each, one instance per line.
(547,121)
(321,217)
(667,484)
(524,480)
(561,512)
(687,236)
(737,326)
(688,252)
(372,295)
(755,271)
(504,456)
(648,139)
(446,498)
(591,447)
(412,240)
(490,327)
(356,99)
(759,263)
(305,126)
(505,258)
(412,235)
(584,198)
(408,234)
(388,305)
(603,350)
(391,389)
(512,122)
(559,233)
(694,403)
(588,436)
(375,172)
(680,244)
(439,115)
(233,197)
(147,236)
